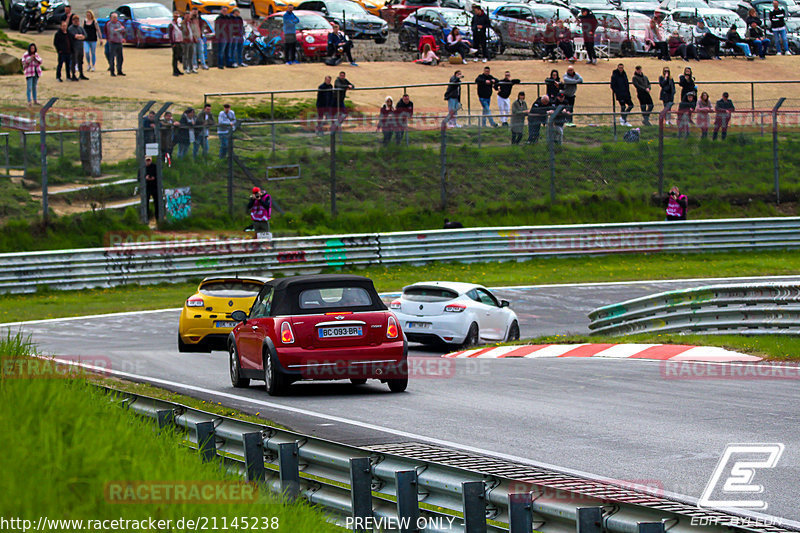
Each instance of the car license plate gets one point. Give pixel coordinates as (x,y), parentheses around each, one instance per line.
(420,325)
(341,331)
(224,324)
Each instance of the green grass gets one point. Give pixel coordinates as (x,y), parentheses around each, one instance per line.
(54,304)
(70,441)
(773,347)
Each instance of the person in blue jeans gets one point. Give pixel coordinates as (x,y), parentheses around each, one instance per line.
(290,22)
(236,47)
(486,84)
(453,97)
(226,123)
(777,19)
(222,30)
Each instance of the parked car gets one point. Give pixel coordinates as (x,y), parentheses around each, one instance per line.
(595,4)
(353,19)
(317,327)
(205,320)
(623,31)
(522,25)
(669,5)
(763,7)
(645,7)
(145,23)
(394,12)
(718,21)
(434,312)
(13,10)
(203,6)
(312,32)
(740,7)
(439,22)
(265,8)
(373,7)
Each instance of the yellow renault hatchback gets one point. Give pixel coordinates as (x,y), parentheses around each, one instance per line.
(206,317)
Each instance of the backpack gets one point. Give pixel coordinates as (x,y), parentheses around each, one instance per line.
(333,60)
(632,135)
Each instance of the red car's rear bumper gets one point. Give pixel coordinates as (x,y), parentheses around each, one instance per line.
(387,361)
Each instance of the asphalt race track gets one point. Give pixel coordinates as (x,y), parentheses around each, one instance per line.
(620,419)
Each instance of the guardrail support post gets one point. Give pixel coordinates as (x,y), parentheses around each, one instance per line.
(289,469)
(254,456)
(205,441)
(775,164)
(474,505)
(360,490)
(650,527)
(520,517)
(165,418)
(43,148)
(407,500)
(589,519)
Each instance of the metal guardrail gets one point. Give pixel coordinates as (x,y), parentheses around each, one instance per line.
(347,481)
(180,261)
(754,309)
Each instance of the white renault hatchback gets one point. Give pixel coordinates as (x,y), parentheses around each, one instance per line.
(454,313)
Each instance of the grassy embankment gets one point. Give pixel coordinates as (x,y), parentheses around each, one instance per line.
(72,449)
(378,189)
(53,304)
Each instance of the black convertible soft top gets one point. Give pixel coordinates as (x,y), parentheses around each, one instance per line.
(286,301)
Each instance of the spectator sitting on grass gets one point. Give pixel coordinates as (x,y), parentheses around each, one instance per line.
(429,57)
(457,44)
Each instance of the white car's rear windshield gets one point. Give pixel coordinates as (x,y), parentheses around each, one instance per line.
(334,298)
(230,289)
(429,294)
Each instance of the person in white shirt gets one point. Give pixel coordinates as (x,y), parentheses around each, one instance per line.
(226,123)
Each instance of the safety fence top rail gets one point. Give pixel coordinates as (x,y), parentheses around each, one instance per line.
(745,305)
(349,482)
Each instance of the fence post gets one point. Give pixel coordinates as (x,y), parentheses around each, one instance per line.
(469,106)
(334,123)
(614,115)
(551,148)
(520,517)
(24,141)
(407,500)
(289,469)
(360,489)
(474,505)
(205,440)
(752,95)
(159,199)
(8,159)
(43,148)
(230,170)
(662,118)
(140,155)
(480,128)
(775,164)
(443,163)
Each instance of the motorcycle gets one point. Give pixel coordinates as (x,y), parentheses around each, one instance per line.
(260,50)
(33,16)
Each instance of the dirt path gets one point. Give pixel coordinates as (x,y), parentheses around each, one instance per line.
(148,78)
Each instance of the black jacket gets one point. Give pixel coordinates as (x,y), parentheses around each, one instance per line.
(725,105)
(182,133)
(687,85)
(538,111)
(777,18)
(485,89)
(642,83)
(342,84)
(619,85)
(480,20)
(325,98)
(504,87)
(454,89)
(62,42)
(667,89)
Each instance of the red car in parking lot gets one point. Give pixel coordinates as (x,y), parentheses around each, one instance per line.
(319,327)
(312,32)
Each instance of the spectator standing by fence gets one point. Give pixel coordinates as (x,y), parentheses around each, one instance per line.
(755,37)
(290,22)
(453,97)
(703,111)
(777,21)
(342,85)
(685,110)
(480,26)
(190,39)
(167,131)
(553,84)
(642,85)
(115,34)
(204,122)
(571,81)
(622,93)
(149,127)
(92,30)
(186,133)
(226,124)
(537,116)
(561,116)
(325,103)
(588,24)
(32,68)
(176,42)
(504,96)
(667,95)
(404,110)
(63,45)
(676,205)
(151,185)
(485,84)
(519,110)
(687,83)
(724,109)
(386,120)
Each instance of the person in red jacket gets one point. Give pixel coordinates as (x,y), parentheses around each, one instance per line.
(676,205)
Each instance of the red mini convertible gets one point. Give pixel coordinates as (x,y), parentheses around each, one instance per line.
(318,327)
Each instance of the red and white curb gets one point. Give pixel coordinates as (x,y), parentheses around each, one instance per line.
(657,352)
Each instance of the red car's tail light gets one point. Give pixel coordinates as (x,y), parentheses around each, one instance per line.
(287,337)
(194,302)
(391,328)
(454,308)
(395,305)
